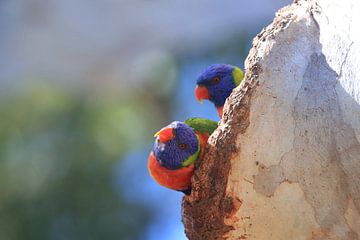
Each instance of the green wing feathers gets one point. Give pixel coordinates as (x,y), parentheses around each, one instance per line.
(202,125)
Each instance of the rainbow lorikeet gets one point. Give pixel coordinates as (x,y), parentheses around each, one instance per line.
(176,149)
(216,83)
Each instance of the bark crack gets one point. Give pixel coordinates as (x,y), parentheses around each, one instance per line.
(345,59)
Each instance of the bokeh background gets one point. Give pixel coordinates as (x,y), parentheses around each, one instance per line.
(83,87)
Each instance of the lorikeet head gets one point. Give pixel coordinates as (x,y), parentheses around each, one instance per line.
(176,146)
(216,83)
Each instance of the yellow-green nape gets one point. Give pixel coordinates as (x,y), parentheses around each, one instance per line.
(190,160)
(238,75)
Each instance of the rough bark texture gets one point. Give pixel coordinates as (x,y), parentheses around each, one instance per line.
(285,161)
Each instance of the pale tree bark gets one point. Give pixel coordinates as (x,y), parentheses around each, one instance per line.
(284,163)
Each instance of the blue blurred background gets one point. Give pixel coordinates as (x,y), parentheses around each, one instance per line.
(83,87)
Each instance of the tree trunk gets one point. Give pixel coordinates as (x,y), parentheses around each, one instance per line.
(284,163)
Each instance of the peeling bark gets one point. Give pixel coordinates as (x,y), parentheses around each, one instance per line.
(285,160)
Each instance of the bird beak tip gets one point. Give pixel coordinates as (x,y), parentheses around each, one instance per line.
(201,93)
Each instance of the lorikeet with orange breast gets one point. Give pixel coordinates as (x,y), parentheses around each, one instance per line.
(216,83)
(176,149)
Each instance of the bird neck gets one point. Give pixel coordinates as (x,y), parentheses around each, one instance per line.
(203,142)
(190,160)
(178,179)
(238,75)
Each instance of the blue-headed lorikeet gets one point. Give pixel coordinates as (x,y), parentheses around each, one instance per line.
(176,149)
(216,83)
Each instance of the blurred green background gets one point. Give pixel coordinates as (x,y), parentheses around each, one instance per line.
(83,87)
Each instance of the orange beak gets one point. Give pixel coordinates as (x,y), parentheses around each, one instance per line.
(165,134)
(201,93)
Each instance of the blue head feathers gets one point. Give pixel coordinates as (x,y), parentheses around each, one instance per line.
(180,149)
(220,80)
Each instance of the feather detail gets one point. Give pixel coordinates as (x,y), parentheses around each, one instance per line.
(178,179)
(202,125)
(203,137)
(238,76)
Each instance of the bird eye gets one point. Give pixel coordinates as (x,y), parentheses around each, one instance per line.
(215,80)
(182,146)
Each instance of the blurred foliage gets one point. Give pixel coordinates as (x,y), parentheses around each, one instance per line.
(57,154)
(59,148)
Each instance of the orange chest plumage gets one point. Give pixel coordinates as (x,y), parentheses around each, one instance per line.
(178,179)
